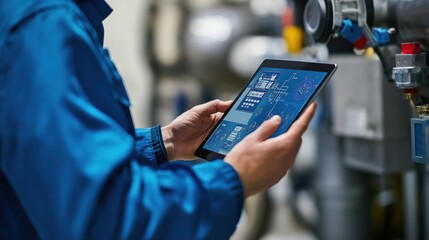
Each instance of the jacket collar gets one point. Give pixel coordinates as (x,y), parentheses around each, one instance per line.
(96,11)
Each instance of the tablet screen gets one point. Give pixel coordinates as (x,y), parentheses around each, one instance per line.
(271,91)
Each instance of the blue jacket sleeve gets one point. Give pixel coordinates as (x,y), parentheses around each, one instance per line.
(66,152)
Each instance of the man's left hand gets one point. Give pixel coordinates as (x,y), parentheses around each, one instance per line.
(183,136)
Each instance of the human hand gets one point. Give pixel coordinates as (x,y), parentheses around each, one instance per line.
(261,161)
(183,136)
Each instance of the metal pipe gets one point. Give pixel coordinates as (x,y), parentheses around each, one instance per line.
(426,203)
(342,193)
(411,205)
(381,7)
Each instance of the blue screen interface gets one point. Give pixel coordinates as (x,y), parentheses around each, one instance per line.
(272,91)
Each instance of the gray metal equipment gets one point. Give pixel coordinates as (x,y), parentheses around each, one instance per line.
(209,36)
(323,19)
(369,113)
(371,116)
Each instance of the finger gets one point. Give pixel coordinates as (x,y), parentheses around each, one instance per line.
(267,128)
(217,116)
(213,107)
(214,120)
(299,126)
(225,105)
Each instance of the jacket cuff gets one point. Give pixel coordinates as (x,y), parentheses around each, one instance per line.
(150,147)
(158,145)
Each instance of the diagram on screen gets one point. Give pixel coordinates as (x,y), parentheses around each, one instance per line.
(280,92)
(305,89)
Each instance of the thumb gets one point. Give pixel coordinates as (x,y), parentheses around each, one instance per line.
(212,107)
(299,126)
(267,128)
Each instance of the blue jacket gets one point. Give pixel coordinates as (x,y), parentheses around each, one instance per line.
(72,166)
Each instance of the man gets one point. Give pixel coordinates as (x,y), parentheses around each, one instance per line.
(72,166)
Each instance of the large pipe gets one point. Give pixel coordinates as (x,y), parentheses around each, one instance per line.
(411,205)
(408,17)
(412,21)
(426,203)
(342,193)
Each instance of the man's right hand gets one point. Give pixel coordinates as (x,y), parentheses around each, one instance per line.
(261,161)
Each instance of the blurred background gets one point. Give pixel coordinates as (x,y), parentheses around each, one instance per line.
(362,170)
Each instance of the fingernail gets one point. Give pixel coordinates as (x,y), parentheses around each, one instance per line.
(277,118)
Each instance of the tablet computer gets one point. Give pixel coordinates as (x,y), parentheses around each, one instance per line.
(278,87)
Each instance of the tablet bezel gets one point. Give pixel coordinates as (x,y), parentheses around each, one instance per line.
(329,68)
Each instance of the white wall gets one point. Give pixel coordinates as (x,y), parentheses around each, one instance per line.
(125,40)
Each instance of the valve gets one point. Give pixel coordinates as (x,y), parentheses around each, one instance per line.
(411,71)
